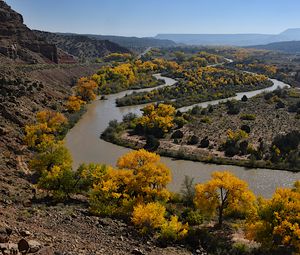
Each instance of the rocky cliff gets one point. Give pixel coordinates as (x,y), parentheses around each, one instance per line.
(19,43)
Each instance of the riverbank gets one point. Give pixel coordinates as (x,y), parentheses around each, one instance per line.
(264,117)
(190,153)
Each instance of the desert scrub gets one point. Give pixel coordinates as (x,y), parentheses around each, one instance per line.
(206,120)
(248,116)
(173,230)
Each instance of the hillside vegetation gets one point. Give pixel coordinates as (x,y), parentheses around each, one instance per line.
(82,47)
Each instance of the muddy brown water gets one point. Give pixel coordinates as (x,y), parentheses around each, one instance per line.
(85,145)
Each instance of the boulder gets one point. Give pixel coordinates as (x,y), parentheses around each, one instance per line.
(34,246)
(23,246)
(4,238)
(9,249)
(25,233)
(45,251)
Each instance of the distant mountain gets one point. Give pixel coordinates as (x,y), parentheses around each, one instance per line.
(134,43)
(291,34)
(80,46)
(215,39)
(288,47)
(232,39)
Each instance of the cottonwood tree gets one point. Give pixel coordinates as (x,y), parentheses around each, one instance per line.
(157,119)
(223,194)
(278,220)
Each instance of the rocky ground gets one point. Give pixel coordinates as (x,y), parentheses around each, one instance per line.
(69,229)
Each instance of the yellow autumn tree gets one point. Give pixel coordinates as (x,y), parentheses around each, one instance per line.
(125,72)
(48,127)
(157,119)
(110,194)
(140,177)
(74,103)
(224,194)
(278,220)
(150,176)
(86,89)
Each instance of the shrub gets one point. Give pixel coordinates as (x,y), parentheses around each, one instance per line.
(233,107)
(248,116)
(282,93)
(194,217)
(110,133)
(173,229)
(178,134)
(196,110)
(193,140)
(241,248)
(268,96)
(206,119)
(148,217)
(243,146)
(54,154)
(231,151)
(244,98)
(129,117)
(279,105)
(288,142)
(234,143)
(294,107)
(152,143)
(204,143)
(246,128)
(180,122)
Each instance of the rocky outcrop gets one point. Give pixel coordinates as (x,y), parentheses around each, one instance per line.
(19,43)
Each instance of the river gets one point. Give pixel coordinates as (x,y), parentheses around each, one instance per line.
(85,145)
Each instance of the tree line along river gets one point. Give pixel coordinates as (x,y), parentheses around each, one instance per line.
(85,145)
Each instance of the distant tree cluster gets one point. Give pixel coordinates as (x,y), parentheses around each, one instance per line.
(197,85)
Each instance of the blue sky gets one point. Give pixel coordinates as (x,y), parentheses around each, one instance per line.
(149,17)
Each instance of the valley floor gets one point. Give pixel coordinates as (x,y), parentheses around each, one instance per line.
(267,122)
